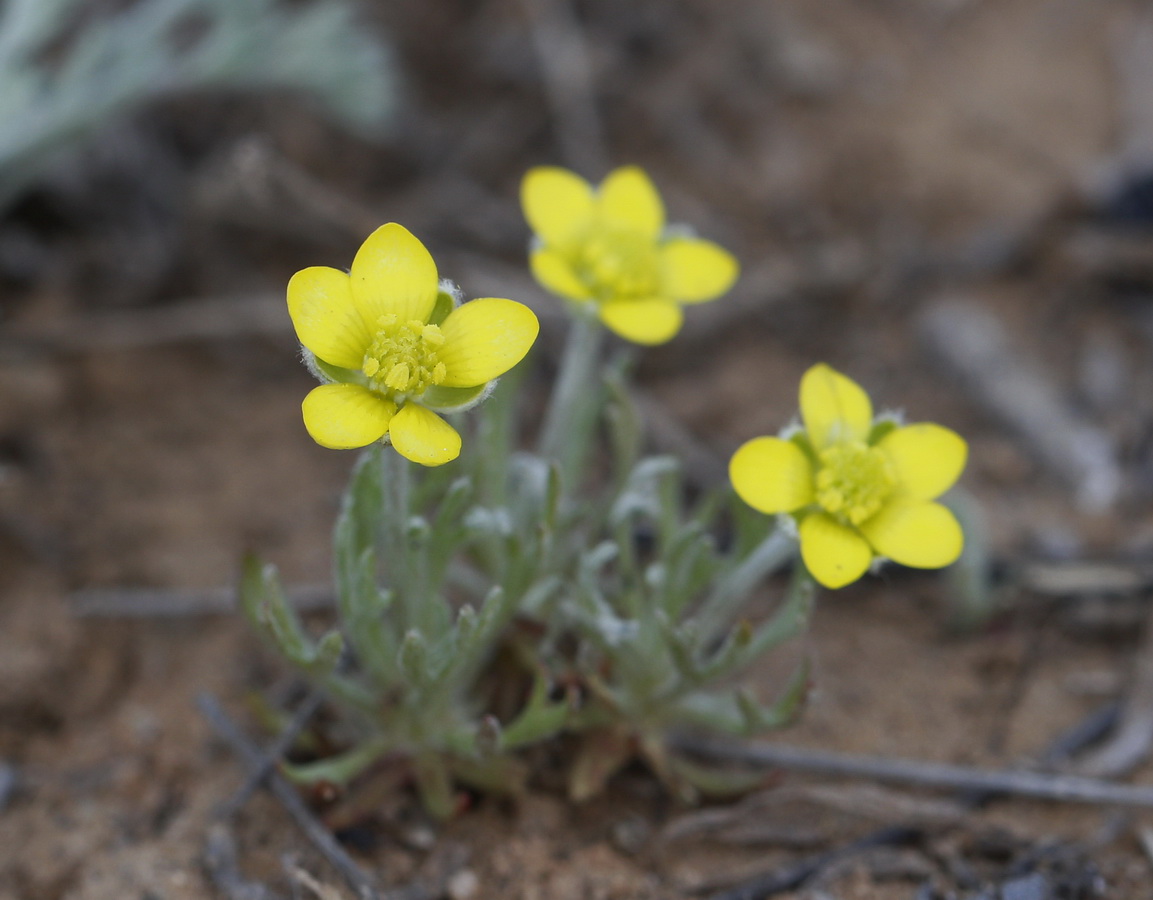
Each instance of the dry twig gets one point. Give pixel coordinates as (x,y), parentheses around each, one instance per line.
(1132,740)
(794,876)
(275,752)
(1063,788)
(161,603)
(568,83)
(313,829)
(213,318)
(972,342)
(220,863)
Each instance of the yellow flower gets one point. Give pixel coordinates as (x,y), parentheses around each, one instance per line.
(859,488)
(394,347)
(609,247)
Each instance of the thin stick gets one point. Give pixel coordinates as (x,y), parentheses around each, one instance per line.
(164,603)
(1132,740)
(275,752)
(794,876)
(254,760)
(210,318)
(219,860)
(1063,788)
(568,83)
(972,342)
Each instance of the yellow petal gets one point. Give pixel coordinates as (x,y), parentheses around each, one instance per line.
(928,458)
(343,416)
(325,317)
(695,271)
(553,271)
(919,534)
(393,274)
(558,204)
(835,554)
(834,408)
(485,338)
(627,199)
(423,436)
(772,475)
(650,321)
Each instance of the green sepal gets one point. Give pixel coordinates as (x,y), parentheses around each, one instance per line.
(882,426)
(446,302)
(327,373)
(455,399)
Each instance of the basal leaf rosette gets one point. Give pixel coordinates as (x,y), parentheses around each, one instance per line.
(608,247)
(395,349)
(859,489)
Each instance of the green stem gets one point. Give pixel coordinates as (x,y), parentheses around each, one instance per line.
(575,398)
(768,556)
(395,484)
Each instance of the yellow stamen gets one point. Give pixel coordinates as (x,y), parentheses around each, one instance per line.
(619,264)
(853,481)
(402,359)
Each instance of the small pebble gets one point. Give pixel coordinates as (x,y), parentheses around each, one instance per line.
(463,885)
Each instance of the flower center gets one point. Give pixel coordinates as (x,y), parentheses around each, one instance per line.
(620,264)
(402,358)
(854,481)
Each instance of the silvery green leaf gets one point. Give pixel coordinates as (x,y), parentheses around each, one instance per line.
(642,492)
(417,530)
(728,657)
(466,624)
(625,428)
(541,718)
(790,620)
(453,504)
(656,576)
(328,651)
(489,736)
(536,599)
(264,602)
(758,718)
(117,61)
(413,659)
(498,607)
(491,522)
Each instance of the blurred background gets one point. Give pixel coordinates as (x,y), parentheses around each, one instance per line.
(949,200)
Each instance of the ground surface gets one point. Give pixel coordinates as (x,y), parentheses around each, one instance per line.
(866,161)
